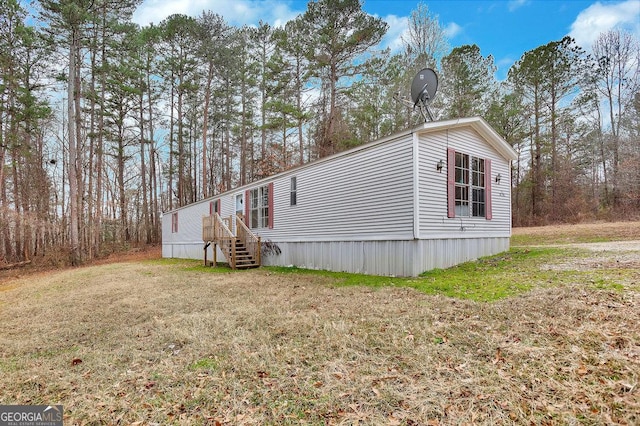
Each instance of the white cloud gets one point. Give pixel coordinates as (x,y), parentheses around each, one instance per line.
(398,27)
(599,18)
(505,62)
(516,4)
(452,30)
(156,10)
(237,12)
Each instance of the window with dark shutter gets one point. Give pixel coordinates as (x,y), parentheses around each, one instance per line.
(270,211)
(174,222)
(293,199)
(451,183)
(260,207)
(468,186)
(215,207)
(488,207)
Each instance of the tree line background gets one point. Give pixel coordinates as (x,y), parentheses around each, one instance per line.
(105,124)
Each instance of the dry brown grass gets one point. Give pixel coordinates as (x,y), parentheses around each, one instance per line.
(159,342)
(583,232)
(155,343)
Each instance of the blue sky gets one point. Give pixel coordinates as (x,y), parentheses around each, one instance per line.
(502,28)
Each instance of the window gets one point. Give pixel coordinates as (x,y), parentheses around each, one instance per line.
(294,192)
(239,205)
(462,184)
(214,207)
(174,222)
(477,187)
(469,186)
(259,203)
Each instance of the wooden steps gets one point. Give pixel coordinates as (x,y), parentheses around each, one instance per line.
(244,259)
(242,251)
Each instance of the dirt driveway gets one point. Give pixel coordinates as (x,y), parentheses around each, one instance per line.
(613,246)
(606,255)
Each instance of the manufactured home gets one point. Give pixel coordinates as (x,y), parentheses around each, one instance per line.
(430,197)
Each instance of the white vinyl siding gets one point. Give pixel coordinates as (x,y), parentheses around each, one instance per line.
(380,208)
(365,195)
(433,219)
(187,241)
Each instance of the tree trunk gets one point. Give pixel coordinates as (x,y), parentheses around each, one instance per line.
(143,172)
(72,93)
(152,157)
(299,111)
(331,122)
(78,143)
(181,155)
(17,231)
(243,138)
(171,151)
(554,153)
(92,150)
(205,130)
(120,178)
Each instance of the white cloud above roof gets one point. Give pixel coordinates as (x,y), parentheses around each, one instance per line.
(452,29)
(237,12)
(398,27)
(599,18)
(516,4)
(250,12)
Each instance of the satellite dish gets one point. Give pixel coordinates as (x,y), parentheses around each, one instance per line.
(423,90)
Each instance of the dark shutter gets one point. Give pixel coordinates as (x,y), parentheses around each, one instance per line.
(271,205)
(451,182)
(487,190)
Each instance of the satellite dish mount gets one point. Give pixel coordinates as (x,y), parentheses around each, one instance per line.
(423,90)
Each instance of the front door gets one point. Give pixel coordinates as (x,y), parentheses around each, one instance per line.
(239,209)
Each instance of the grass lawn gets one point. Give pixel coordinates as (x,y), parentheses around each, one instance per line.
(580,233)
(538,335)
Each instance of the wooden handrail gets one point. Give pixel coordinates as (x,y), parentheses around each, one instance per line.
(208,229)
(251,240)
(215,230)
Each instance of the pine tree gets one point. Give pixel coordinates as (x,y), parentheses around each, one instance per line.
(340,33)
(467,83)
(68,20)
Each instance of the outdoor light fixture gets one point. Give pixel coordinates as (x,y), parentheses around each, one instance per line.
(439,166)
(498,178)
